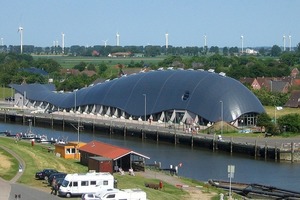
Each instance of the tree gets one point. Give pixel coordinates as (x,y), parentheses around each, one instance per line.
(102,68)
(275,51)
(288,58)
(298,48)
(264,120)
(225,51)
(81,66)
(262,51)
(289,123)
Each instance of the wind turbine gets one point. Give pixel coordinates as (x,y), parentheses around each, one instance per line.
(290,38)
(63,43)
(283,42)
(242,40)
(105,43)
(118,39)
(167,39)
(20,30)
(205,41)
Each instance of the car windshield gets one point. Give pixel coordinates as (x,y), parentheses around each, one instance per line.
(65,183)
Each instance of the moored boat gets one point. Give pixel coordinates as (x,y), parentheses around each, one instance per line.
(254,190)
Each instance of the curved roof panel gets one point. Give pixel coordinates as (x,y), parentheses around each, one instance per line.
(203,93)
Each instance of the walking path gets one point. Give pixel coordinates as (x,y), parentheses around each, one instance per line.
(9,189)
(195,193)
(6,185)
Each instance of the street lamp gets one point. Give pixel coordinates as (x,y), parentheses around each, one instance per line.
(75,102)
(222,117)
(276,108)
(145,105)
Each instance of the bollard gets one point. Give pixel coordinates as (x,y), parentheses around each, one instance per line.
(160,184)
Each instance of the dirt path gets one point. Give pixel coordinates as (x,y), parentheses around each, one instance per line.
(195,193)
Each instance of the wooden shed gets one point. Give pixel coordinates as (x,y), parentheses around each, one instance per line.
(69,150)
(101,164)
(120,157)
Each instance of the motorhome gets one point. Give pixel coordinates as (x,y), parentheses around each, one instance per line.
(92,182)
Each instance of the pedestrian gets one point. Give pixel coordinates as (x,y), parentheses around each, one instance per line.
(53,186)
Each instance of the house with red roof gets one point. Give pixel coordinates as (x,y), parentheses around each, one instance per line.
(103,157)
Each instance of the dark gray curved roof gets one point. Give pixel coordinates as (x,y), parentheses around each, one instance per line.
(199,92)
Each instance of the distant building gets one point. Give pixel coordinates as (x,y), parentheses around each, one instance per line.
(294,72)
(70,71)
(33,70)
(294,100)
(251,52)
(120,54)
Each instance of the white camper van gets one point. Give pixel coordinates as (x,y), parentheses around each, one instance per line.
(78,184)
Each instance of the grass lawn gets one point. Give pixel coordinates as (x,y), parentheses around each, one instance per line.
(8,165)
(5,92)
(37,158)
(270,110)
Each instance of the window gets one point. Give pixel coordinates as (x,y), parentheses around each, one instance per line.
(75,184)
(185,96)
(105,182)
(84,183)
(68,151)
(73,150)
(93,182)
(110,196)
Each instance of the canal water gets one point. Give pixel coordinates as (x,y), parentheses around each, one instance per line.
(197,163)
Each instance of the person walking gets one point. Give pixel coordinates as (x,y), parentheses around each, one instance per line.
(53,186)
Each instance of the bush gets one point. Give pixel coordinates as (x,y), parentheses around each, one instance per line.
(289,123)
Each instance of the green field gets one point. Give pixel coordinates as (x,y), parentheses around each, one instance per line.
(71,61)
(271,110)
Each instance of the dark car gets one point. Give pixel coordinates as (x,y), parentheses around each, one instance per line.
(59,175)
(45,174)
(59,182)
(9,99)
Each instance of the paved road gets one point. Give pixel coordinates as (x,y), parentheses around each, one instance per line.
(10,190)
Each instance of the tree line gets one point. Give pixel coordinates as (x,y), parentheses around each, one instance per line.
(147,51)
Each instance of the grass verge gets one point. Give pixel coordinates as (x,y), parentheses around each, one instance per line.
(9,165)
(37,158)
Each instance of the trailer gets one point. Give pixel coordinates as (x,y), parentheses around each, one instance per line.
(78,184)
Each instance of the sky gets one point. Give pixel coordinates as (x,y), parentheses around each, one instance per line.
(145,22)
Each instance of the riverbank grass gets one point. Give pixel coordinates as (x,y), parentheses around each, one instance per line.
(37,158)
(9,165)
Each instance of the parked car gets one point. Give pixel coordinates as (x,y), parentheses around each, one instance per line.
(90,196)
(59,175)
(59,181)
(41,175)
(9,99)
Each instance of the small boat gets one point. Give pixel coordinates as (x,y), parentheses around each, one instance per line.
(255,190)
(29,135)
(43,139)
(9,134)
(4,132)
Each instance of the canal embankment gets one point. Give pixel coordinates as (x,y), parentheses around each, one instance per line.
(278,149)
